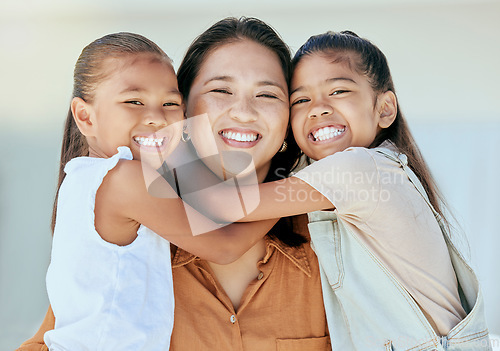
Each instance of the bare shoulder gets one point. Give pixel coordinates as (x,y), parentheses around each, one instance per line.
(125,172)
(113,202)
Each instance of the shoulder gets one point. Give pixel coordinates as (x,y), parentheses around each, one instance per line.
(349,161)
(123,184)
(353,157)
(129,172)
(127,168)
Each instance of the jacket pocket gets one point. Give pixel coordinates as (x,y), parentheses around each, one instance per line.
(325,236)
(316,344)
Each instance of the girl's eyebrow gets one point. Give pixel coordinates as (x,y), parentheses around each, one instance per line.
(329,80)
(134,89)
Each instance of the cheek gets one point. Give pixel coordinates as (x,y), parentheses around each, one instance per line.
(297,125)
(278,117)
(202,106)
(175,116)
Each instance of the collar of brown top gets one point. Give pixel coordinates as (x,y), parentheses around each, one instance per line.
(297,255)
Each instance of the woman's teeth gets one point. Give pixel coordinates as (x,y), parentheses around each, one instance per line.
(149,141)
(326,133)
(240,136)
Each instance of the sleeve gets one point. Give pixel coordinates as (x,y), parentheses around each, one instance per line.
(36,343)
(349,179)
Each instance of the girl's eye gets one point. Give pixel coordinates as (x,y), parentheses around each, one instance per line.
(300,101)
(133,102)
(171,104)
(338,92)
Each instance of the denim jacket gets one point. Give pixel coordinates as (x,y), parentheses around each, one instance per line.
(369,309)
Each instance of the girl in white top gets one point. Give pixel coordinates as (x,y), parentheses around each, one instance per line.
(109,280)
(343,112)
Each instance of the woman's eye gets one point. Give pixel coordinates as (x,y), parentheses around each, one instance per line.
(222,91)
(300,101)
(133,102)
(338,92)
(270,96)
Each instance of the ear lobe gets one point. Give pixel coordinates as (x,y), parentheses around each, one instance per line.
(388,109)
(81,111)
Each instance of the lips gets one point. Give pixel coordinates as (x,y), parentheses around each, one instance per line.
(242,138)
(327,132)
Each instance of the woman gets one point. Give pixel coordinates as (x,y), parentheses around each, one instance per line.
(238,72)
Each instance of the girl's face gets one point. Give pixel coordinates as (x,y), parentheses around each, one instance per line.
(242,88)
(332,107)
(133,106)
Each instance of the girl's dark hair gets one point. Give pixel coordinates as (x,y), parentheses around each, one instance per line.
(230,30)
(87,75)
(367,59)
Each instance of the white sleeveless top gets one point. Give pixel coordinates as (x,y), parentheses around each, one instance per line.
(104,296)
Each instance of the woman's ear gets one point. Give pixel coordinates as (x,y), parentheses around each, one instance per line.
(82,111)
(387,109)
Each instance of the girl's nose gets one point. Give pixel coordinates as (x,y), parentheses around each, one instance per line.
(320,110)
(156,118)
(243,111)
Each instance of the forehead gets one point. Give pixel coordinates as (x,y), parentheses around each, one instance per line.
(242,58)
(340,60)
(131,62)
(322,66)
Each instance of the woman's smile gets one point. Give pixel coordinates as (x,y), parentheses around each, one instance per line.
(240,137)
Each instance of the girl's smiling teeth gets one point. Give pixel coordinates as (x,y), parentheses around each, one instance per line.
(239,136)
(326,133)
(145,141)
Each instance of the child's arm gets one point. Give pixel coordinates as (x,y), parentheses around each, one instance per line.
(287,197)
(282,198)
(235,202)
(36,343)
(123,201)
(344,181)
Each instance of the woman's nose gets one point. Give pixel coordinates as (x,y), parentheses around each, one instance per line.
(243,111)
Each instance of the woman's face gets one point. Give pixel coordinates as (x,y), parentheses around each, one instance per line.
(242,89)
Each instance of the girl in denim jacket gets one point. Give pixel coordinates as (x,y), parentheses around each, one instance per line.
(391,277)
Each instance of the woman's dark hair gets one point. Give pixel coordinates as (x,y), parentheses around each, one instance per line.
(88,73)
(367,59)
(230,30)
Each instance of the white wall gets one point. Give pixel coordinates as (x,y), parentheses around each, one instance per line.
(443,56)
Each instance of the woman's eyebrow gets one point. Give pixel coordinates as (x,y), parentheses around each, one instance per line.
(329,80)
(222,78)
(260,84)
(270,82)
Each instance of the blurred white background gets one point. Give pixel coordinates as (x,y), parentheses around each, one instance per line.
(444,57)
